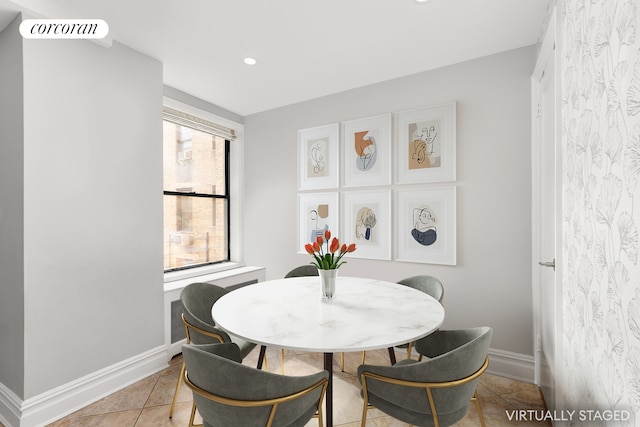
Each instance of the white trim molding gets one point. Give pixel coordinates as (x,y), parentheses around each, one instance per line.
(516,366)
(9,407)
(56,403)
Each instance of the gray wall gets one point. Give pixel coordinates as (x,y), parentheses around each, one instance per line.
(11,210)
(93,281)
(491,284)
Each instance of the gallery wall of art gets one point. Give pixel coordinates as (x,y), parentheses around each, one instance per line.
(386,183)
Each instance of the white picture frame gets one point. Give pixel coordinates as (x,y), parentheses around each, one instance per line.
(318,157)
(366,151)
(367,222)
(317,212)
(426,225)
(426,145)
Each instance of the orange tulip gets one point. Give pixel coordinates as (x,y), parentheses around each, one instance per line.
(335,244)
(328,257)
(309,248)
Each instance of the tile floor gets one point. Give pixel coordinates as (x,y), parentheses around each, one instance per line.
(146,403)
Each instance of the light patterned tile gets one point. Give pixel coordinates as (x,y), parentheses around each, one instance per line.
(526,399)
(503,385)
(158,416)
(496,413)
(132,397)
(119,419)
(164,389)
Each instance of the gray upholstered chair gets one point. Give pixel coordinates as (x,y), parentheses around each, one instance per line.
(435,391)
(196,300)
(303,270)
(229,393)
(430,286)
(427,284)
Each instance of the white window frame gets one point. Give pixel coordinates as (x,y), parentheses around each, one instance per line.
(236,171)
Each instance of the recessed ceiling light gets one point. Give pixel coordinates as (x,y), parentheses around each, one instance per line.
(423,1)
(250,61)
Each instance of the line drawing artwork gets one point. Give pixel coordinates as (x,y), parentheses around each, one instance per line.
(317,155)
(425,230)
(317,221)
(366,150)
(365,223)
(367,220)
(424,145)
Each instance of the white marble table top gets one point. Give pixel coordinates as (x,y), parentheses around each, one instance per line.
(364,314)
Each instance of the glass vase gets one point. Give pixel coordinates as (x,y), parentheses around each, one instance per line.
(328,283)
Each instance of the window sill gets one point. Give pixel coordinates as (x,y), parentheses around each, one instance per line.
(214,273)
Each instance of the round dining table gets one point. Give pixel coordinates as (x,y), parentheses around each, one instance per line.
(364,314)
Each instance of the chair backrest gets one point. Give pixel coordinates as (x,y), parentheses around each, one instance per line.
(303,270)
(196,300)
(456,355)
(228,393)
(427,284)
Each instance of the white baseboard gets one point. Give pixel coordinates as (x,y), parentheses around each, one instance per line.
(9,407)
(58,402)
(516,366)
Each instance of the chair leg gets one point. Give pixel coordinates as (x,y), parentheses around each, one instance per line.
(364,356)
(364,414)
(342,362)
(282,355)
(318,415)
(193,415)
(409,347)
(479,409)
(175,393)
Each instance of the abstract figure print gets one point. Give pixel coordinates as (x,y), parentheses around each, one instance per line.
(317,221)
(365,224)
(318,156)
(424,229)
(366,150)
(424,144)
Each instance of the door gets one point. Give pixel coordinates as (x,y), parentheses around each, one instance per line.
(546,222)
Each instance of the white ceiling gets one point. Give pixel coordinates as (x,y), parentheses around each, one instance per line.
(305,48)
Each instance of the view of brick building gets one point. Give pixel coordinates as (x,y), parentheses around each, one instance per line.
(195,225)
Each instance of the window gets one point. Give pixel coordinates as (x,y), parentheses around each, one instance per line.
(196,191)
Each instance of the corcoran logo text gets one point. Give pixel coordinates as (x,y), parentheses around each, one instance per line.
(64,29)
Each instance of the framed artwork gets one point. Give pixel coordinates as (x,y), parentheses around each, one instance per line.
(367,223)
(426,225)
(318,212)
(318,157)
(427,144)
(366,151)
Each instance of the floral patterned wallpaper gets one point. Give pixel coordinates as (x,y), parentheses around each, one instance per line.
(600,94)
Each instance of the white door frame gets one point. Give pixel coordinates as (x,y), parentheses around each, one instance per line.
(548,48)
